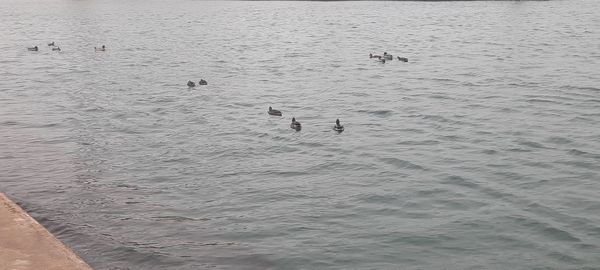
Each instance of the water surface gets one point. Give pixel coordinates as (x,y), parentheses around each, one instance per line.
(481,152)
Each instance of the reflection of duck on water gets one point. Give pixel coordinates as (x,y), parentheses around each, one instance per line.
(274,112)
(295,124)
(338,127)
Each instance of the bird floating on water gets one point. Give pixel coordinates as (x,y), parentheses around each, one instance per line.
(191,84)
(338,127)
(34,48)
(51,43)
(403,59)
(202,82)
(295,124)
(101,49)
(56,48)
(274,112)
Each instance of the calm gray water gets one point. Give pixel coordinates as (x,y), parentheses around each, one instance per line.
(481,152)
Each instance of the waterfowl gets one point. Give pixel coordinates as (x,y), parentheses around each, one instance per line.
(34,48)
(101,49)
(374,56)
(56,49)
(202,82)
(191,84)
(382,60)
(403,59)
(295,124)
(51,43)
(387,56)
(274,112)
(338,127)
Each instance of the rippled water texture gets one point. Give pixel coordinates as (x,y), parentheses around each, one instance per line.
(481,152)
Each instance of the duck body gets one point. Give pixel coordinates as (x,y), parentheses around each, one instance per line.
(191,84)
(51,43)
(56,49)
(202,82)
(274,112)
(34,48)
(387,56)
(101,49)
(374,56)
(295,125)
(338,127)
(403,59)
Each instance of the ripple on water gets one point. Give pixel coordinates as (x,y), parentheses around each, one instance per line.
(378,113)
(402,164)
(453,155)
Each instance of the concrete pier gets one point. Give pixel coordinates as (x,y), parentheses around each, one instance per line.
(26,245)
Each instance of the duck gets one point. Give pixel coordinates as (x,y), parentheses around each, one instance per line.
(295,124)
(338,127)
(34,48)
(202,82)
(374,56)
(387,56)
(51,43)
(101,49)
(191,84)
(274,112)
(403,59)
(56,48)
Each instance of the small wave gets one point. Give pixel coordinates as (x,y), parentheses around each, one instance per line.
(460,181)
(402,164)
(577,152)
(424,142)
(127,186)
(540,100)
(290,173)
(10,123)
(581,164)
(585,88)
(177,160)
(531,144)
(544,229)
(489,151)
(559,140)
(437,118)
(381,113)
(173,218)
(438,96)
(379,199)
(311,144)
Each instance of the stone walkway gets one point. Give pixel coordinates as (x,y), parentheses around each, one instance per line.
(26,245)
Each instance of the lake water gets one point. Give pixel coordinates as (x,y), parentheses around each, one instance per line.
(481,152)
